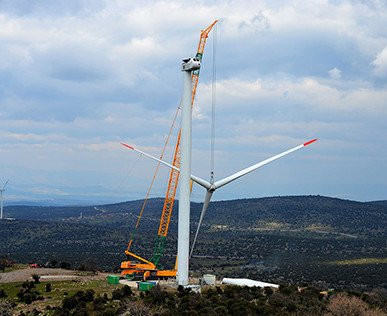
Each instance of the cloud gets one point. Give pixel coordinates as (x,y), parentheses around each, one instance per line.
(380,63)
(334,73)
(309,95)
(78,77)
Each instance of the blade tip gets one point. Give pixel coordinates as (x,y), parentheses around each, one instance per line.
(310,142)
(128,146)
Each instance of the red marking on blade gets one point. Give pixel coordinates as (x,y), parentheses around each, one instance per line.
(309,142)
(126,145)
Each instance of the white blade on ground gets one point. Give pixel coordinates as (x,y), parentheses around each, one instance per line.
(247,170)
(198,180)
(204,209)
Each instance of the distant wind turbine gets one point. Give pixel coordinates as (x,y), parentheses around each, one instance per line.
(1,199)
(212,187)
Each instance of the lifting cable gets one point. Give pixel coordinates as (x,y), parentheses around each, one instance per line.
(154,176)
(213,103)
(130,170)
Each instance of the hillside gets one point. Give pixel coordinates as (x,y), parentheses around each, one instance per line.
(294,211)
(296,238)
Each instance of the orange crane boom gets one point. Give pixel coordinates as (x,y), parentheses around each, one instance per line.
(151,267)
(174,175)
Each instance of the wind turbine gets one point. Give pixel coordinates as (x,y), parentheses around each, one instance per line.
(1,199)
(212,187)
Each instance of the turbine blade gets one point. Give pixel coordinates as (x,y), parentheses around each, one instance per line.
(247,170)
(198,180)
(150,156)
(4,185)
(204,209)
(205,184)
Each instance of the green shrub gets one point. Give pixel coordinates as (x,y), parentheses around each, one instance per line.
(28,294)
(36,278)
(69,303)
(6,307)
(28,285)
(3,294)
(119,294)
(268,291)
(156,295)
(48,287)
(287,289)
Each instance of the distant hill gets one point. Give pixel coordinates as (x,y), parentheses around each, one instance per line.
(49,213)
(290,238)
(302,212)
(334,214)
(383,202)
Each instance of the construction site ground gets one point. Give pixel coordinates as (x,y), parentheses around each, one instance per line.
(48,274)
(64,283)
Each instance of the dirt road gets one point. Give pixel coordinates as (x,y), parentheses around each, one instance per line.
(46,274)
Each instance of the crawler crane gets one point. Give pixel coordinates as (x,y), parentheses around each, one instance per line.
(136,266)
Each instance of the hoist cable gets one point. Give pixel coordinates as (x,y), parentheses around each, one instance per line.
(154,176)
(130,170)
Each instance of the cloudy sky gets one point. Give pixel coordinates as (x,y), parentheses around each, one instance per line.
(79,76)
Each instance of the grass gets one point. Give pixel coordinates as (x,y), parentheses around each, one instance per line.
(61,287)
(360,261)
(59,290)
(319,228)
(270,225)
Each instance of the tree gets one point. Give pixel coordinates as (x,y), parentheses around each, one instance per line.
(53,263)
(121,293)
(5,263)
(48,287)
(344,305)
(64,265)
(2,295)
(36,278)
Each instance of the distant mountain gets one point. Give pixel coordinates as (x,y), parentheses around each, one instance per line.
(49,202)
(48,213)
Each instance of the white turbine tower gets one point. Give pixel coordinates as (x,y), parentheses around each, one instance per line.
(188,65)
(1,199)
(211,188)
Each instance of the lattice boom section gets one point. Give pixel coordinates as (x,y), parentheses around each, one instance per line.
(174,175)
(171,192)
